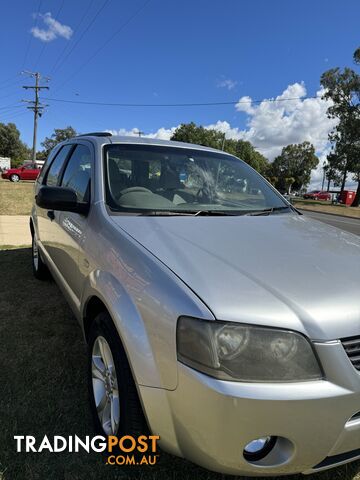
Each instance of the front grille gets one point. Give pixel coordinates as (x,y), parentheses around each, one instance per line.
(352,348)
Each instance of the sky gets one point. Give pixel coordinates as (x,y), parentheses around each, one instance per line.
(165,52)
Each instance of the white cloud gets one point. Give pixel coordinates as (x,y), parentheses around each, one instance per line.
(54,29)
(274,124)
(227,83)
(271,125)
(161,134)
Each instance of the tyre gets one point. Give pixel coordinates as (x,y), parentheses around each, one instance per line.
(40,270)
(114,400)
(14,178)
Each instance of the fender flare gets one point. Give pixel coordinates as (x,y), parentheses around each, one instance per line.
(120,306)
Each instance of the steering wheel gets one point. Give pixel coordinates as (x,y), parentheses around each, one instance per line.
(135,189)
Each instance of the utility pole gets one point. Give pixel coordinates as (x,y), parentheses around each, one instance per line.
(223,142)
(36,106)
(139,133)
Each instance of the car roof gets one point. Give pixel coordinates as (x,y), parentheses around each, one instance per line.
(101,138)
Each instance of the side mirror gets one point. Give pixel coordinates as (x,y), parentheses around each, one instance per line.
(60,198)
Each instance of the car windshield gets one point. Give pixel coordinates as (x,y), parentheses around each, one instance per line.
(161,179)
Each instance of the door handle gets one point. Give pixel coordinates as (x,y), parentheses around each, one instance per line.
(51,214)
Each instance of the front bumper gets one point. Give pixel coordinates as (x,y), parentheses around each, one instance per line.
(209,421)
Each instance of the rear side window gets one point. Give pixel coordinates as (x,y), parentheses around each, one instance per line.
(56,166)
(77,173)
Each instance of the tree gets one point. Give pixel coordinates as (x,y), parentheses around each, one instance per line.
(332,170)
(191,133)
(357,56)
(59,135)
(245,151)
(11,145)
(343,88)
(292,168)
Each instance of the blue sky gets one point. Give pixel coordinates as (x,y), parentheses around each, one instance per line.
(188,51)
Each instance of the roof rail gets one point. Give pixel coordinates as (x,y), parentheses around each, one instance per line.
(95,134)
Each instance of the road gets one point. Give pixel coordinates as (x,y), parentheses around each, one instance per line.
(351,225)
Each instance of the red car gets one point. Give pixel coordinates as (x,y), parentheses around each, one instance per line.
(29,171)
(318,195)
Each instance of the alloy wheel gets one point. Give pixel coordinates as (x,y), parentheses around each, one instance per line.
(105,386)
(35,253)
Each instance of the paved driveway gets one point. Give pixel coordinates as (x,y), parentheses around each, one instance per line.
(14,230)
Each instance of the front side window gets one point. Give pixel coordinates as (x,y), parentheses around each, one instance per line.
(170,179)
(56,166)
(77,173)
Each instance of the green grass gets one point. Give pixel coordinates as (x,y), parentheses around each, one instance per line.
(43,388)
(326,207)
(16,198)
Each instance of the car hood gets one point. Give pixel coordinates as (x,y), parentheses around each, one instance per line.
(282,270)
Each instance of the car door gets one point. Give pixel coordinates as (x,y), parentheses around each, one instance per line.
(26,172)
(34,172)
(72,226)
(47,220)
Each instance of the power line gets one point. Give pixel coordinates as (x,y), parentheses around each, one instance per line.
(135,14)
(35,105)
(192,104)
(10,79)
(12,117)
(8,106)
(30,38)
(45,43)
(10,95)
(76,28)
(12,111)
(11,84)
(82,35)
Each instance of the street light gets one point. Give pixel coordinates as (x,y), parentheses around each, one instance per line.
(323,180)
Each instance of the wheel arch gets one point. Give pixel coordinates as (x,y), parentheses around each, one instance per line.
(93,307)
(104,293)
(32,229)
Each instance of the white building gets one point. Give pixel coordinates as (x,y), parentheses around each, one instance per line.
(5,163)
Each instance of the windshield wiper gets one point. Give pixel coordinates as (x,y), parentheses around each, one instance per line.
(214,213)
(205,213)
(192,213)
(266,211)
(165,213)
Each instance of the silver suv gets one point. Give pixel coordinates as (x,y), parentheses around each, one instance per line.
(215,314)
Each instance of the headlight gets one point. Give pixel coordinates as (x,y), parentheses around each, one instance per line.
(232,351)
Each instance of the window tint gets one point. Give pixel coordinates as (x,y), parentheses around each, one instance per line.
(55,168)
(78,173)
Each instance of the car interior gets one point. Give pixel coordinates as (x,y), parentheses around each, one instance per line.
(149,180)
